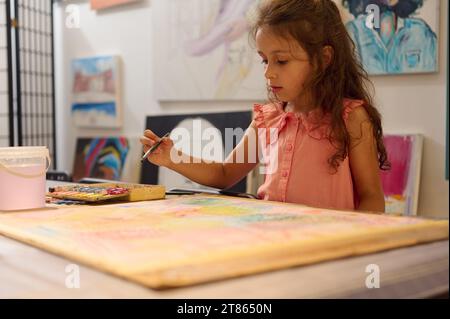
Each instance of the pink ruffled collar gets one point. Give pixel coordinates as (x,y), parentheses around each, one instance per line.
(314,122)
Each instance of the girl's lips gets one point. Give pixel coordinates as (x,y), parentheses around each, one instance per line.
(275,89)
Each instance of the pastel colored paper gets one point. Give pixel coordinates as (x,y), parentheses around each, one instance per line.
(194,239)
(401,183)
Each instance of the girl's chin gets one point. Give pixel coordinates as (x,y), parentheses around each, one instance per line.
(283,98)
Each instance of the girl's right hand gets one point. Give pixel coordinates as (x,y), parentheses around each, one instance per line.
(161,155)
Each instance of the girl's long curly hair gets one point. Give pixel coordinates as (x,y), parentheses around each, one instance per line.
(315,24)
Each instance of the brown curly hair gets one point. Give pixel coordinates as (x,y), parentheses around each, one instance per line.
(316,24)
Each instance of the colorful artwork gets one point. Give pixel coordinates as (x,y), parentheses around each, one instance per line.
(394,37)
(193,239)
(206,54)
(96,92)
(103,4)
(401,183)
(100,158)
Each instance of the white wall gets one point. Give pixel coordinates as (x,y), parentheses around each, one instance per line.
(126,31)
(409,104)
(417,104)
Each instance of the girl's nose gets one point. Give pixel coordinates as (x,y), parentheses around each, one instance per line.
(268,73)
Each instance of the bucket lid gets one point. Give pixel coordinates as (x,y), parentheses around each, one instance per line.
(23,152)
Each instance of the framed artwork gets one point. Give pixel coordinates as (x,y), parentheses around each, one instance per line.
(401,183)
(206,53)
(100,158)
(394,37)
(104,4)
(96,92)
(196,142)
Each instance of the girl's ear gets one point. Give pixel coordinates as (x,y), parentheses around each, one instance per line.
(327,55)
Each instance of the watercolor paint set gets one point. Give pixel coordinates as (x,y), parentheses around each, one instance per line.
(105,192)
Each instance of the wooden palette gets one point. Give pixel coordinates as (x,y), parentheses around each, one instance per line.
(108,191)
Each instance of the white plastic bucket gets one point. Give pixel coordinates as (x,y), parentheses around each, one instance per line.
(22,177)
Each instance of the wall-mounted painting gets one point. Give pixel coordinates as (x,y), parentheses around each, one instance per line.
(104,4)
(206,53)
(394,36)
(96,92)
(401,183)
(100,158)
(204,138)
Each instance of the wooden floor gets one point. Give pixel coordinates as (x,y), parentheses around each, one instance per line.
(413,272)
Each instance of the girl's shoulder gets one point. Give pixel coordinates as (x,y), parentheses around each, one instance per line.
(267,115)
(353,108)
(355,115)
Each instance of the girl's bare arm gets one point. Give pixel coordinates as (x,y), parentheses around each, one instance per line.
(219,175)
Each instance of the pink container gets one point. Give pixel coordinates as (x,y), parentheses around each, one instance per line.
(22,177)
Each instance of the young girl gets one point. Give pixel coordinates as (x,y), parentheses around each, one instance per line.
(328,133)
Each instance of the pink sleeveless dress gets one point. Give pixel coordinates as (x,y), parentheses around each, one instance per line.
(302,174)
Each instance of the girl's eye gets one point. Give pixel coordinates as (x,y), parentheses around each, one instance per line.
(282,62)
(264,62)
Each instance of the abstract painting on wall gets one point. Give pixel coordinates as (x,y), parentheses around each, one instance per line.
(394,37)
(96,92)
(401,183)
(100,158)
(103,4)
(206,53)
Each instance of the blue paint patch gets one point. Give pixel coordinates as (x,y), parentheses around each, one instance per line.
(413,58)
(107,107)
(90,65)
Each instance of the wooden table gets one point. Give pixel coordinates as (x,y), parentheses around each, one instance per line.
(420,271)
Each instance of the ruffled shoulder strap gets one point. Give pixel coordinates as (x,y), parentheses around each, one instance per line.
(268,115)
(349,106)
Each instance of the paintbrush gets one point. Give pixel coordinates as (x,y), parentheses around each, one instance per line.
(154,147)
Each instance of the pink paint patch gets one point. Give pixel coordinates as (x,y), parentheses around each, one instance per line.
(399,149)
